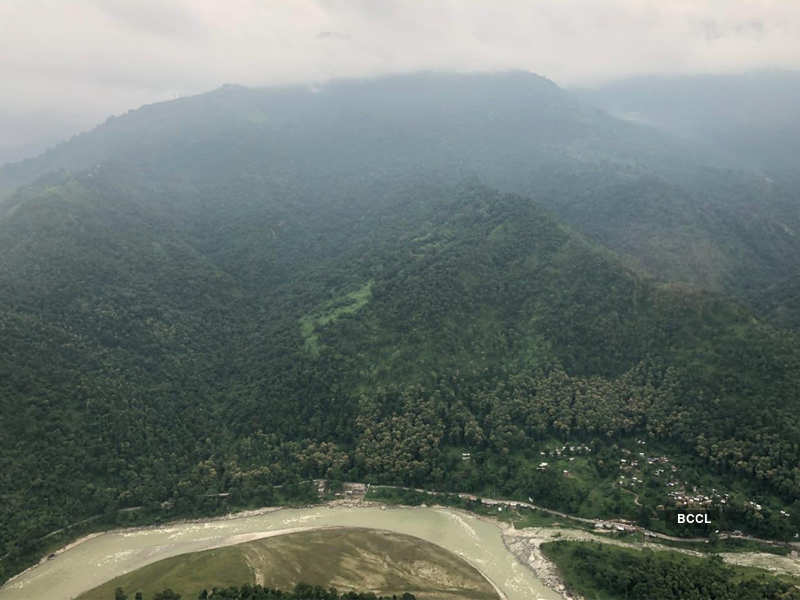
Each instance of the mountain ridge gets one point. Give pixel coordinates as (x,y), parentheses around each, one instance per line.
(674,213)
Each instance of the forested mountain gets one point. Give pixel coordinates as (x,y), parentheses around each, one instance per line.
(752,119)
(248,289)
(675,210)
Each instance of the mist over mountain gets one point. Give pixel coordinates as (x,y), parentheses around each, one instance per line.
(207,302)
(674,209)
(445,120)
(753,117)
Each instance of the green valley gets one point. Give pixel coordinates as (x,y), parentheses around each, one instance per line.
(555,305)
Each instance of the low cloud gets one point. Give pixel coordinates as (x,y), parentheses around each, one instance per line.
(82,60)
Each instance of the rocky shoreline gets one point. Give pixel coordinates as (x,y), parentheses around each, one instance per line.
(527,551)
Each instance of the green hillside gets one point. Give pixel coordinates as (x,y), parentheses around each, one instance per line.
(218,299)
(158,356)
(677,210)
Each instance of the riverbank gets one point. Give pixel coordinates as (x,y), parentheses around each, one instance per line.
(91,561)
(349,559)
(530,515)
(521,545)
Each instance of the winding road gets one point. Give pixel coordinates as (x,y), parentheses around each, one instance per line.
(627,526)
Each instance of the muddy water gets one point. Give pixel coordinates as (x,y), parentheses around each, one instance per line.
(108,555)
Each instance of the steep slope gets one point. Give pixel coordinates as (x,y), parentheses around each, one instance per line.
(166,343)
(674,211)
(753,117)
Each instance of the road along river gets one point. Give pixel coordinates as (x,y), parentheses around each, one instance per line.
(98,558)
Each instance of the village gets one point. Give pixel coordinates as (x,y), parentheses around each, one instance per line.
(637,466)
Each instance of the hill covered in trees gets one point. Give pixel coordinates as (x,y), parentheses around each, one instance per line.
(675,209)
(215,305)
(611,573)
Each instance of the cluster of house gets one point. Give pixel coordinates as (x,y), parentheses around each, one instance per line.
(678,492)
(660,460)
(632,481)
(567,450)
(629,464)
(696,499)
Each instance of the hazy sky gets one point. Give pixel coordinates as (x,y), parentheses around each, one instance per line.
(66,65)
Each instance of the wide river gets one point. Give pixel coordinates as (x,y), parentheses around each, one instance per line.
(105,556)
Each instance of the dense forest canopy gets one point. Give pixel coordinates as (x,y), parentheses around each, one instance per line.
(204,304)
(611,573)
(753,120)
(674,209)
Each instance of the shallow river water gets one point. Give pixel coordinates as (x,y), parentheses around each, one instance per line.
(105,556)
